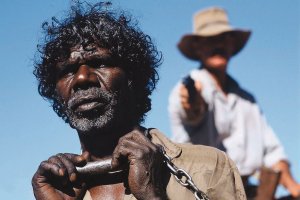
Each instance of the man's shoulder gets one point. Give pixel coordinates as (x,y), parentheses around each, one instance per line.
(207,156)
(190,153)
(211,169)
(203,150)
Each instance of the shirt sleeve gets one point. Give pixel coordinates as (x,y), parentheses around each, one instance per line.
(226,178)
(176,116)
(273,151)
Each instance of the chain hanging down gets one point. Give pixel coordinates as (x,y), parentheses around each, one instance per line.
(183,178)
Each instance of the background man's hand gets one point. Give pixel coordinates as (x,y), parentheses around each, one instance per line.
(145,165)
(286,178)
(196,108)
(57,179)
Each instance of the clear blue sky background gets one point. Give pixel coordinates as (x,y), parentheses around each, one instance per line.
(268,67)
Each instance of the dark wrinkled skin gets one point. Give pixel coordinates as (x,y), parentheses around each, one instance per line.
(145,165)
(57,178)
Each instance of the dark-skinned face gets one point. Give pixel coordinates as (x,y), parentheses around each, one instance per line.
(91,89)
(216,54)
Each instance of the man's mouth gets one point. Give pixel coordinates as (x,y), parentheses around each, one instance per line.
(88,104)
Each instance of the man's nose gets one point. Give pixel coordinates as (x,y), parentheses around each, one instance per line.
(85,78)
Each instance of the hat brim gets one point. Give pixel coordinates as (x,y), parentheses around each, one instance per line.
(190,45)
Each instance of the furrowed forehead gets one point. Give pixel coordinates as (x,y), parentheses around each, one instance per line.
(80,54)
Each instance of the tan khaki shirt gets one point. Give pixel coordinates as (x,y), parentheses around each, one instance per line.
(211,170)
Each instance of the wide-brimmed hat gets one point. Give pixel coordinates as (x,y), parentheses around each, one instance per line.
(210,24)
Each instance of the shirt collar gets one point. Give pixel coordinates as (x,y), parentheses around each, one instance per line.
(172,150)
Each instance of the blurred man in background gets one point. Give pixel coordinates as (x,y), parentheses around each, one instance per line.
(210,108)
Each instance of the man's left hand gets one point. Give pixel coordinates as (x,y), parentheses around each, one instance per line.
(145,165)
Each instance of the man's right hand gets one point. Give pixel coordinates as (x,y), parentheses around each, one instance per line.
(57,178)
(195,109)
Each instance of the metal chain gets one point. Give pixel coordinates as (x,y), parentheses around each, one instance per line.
(183,178)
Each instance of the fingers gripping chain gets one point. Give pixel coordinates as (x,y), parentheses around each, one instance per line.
(183,178)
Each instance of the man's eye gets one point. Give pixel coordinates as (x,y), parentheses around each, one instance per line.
(99,64)
(67,70)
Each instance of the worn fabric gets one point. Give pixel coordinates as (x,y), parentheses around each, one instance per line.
(233,123)
(211,170)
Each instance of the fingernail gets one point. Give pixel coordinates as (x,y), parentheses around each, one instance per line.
(73,177)
(61,172)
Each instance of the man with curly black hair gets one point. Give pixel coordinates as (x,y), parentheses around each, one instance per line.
(98,71)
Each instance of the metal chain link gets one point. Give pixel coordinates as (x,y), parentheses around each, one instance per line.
(183,178)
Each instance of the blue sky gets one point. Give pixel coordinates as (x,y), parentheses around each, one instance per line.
(268,67)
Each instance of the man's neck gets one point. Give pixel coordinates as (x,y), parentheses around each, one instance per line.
(101,144)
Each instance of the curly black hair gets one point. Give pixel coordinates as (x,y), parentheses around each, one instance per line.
(97,24)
